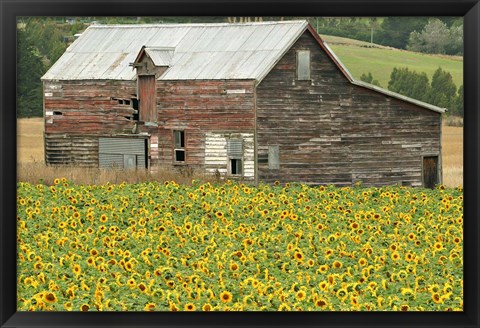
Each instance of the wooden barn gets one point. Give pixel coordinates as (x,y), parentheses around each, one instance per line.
(260,101)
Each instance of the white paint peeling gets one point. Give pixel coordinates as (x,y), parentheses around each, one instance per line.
(216,155)
(236,91)
(48,94)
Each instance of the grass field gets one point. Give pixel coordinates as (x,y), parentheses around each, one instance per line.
(360,58)
(31,157)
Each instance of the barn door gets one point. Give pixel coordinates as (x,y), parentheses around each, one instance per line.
(430,171)
(146,95)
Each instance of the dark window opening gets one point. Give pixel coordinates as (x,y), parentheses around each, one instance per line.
(179,155)
(235,166)
(179,145)
(136,110)
(57,113)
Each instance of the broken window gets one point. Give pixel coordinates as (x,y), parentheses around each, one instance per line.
(179,146)
(235,156)
(303,64)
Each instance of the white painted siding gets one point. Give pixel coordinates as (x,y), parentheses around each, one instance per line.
(216,156)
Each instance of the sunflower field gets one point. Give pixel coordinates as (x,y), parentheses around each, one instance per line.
(234,247)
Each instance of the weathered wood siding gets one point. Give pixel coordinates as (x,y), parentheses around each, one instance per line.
(330,131)
(77,112)
(200,108)
(65,149)
(87,107)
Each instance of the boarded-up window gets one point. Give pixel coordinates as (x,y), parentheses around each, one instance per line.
(303,65)
(179,146)
(430,171)
(235,156)
(146,97)
(273,158)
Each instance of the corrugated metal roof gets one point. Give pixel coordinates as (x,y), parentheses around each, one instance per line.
(160,56)
(197,51)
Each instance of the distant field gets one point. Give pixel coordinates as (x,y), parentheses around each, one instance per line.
(360,58)
(30,149)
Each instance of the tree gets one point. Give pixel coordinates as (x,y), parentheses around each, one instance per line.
(458,103)
(30,68)
(437,38)
(395,31)
(409,83)
(443,90)
(369,79)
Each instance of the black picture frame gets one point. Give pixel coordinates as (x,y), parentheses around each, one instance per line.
(469,9)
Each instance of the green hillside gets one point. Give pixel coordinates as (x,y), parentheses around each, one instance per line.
(359,57)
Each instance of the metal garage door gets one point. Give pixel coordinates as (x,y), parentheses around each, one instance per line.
(122,152)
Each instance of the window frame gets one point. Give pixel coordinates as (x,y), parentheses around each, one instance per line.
(231,157)
(175,148)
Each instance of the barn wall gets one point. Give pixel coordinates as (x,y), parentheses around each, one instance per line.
(77,112)
(329,131)
(222,108)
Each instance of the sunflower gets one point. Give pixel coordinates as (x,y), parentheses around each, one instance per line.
(298,256)
(436,298)
(226,297)
(323,268)
(395,256)
(354,301)
(189,307)
(142,287)
(171,284)
(362,261)
(150,306)
(342,294)
(337,264)
(77,269)
(84,307)
(49,297)
(323,286)
(234,266)
(321,303)
(131,283)
(173,307)
(438,246)
(206,307)
(300,296)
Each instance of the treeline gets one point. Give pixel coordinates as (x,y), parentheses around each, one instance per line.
(441,91)
(439,35)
